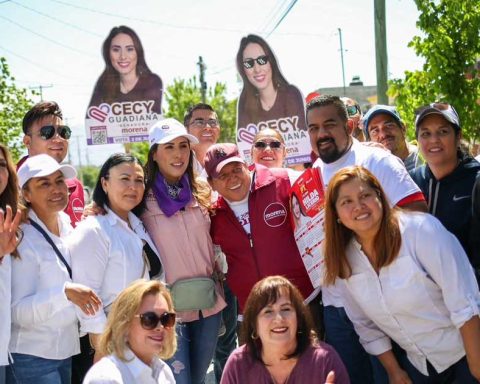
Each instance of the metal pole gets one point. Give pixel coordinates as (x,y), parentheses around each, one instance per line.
(381,51)
(203,83)
(341,55)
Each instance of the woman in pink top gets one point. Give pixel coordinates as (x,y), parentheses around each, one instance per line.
(177,219)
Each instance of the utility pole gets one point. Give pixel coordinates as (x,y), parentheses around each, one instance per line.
(341,56)
(203,83)
(40,89)
(381,50)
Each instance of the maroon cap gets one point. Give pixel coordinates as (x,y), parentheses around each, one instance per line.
(219,155)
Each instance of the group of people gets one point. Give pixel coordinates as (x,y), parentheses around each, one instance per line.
(174,254)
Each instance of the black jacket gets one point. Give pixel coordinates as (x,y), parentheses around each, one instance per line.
(450,199)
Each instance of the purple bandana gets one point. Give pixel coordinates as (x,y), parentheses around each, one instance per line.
(167,204)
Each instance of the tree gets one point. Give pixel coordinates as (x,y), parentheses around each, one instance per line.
(451,48)
(181,95)
(14,103)
(88,174)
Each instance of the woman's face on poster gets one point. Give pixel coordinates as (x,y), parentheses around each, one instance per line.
(123,54)
(296,207)
(260,76)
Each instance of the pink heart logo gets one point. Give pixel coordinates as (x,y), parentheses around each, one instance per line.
(99,113)
(247,134)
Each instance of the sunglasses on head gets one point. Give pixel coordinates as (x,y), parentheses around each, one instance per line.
(150,320)
(261,60)
(48,131)
(272,144)
(352,110)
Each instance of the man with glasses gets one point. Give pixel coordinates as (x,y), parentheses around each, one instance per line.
(45,133)
(382,124)
(354,118)
(201,121)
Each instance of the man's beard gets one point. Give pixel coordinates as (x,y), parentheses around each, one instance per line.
(330,154)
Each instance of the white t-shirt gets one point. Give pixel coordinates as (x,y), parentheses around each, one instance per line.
(240,209)
(388,169)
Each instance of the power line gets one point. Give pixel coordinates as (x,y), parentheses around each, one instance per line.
(34,63)
(149,21)
(57,20)
(287,11)
(273,15)
(46,37)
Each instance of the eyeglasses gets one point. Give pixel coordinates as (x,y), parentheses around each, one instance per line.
(200,123)
(261,60)
(150,320)
(48,131)
(262,145)
(352,110)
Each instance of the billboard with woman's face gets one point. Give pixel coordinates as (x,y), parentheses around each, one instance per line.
(127,98)
(269,101)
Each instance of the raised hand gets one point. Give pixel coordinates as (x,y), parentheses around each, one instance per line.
(8,230)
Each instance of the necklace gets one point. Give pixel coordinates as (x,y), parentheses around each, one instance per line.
(173,190)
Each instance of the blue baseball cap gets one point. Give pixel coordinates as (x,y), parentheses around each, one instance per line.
(377,110)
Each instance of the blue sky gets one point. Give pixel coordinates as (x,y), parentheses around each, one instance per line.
(58,42)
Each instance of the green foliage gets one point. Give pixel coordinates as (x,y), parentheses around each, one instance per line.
(88,174)
(14,103)
(181,95)
(450,44)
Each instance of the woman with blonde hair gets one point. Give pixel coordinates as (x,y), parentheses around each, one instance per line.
(405,279)
(140,333)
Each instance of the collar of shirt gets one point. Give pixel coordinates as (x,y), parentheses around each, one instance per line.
(63,223)
(139,369)
(113,219)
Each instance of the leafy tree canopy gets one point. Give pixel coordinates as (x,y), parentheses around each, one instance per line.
(450,44)
(14,103)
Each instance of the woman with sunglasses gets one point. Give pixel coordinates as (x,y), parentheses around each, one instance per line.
(448,177)
(268,149)
(406,279)
(177,218)
(110,251)
(44,333)
(268,97)
(9,221)
(138,336)
(126,76)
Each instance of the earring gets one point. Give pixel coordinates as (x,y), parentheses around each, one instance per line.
(339,221)
(254,335)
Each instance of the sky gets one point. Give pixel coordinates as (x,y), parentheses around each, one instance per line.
(57,44)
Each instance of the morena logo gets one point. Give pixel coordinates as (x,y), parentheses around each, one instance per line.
(275,214)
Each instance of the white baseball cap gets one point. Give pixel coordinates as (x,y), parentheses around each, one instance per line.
(42,165)
(167,130)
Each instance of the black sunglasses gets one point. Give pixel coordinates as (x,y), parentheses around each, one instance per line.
(263,145)
(48,131)
(150,320)
(352,110)
(261,60)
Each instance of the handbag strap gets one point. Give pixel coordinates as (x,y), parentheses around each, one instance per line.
(50,241)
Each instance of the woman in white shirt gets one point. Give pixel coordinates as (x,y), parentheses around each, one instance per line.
(44,332)
(404,278)
(140,332)
(112,250)
(9,220)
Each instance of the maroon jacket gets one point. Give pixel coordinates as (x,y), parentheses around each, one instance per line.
(271,248)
